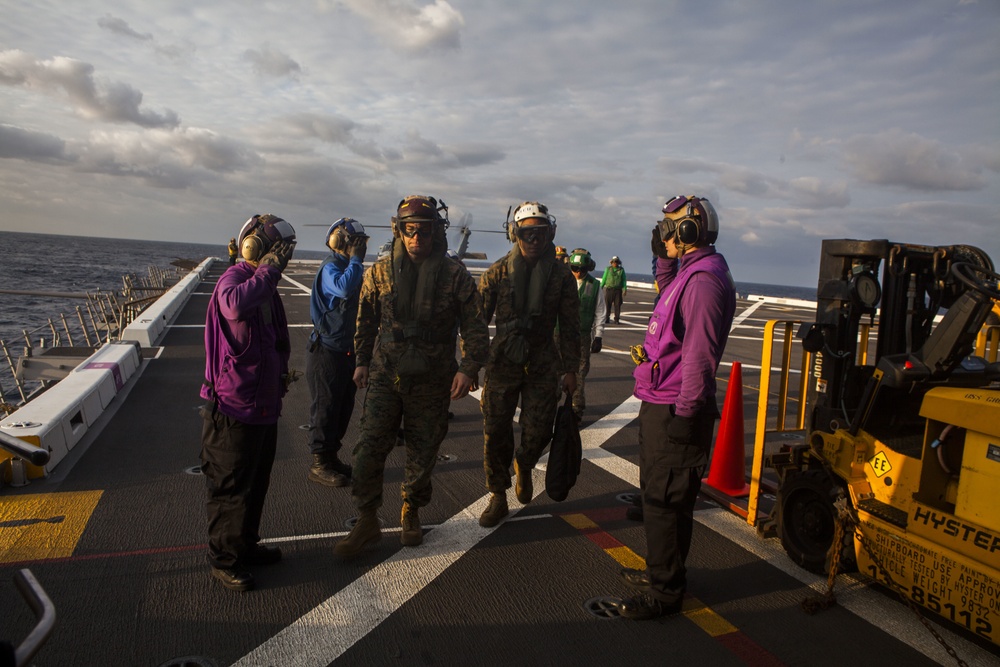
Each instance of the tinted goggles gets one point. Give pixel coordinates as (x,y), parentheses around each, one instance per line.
(412,230)
(533,234)
(667,226)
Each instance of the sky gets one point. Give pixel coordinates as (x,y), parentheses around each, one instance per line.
(176,120)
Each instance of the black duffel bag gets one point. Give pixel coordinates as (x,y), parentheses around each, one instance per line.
(565,453)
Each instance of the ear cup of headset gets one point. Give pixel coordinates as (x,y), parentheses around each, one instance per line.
(688,231)
(253,248)
(337,241)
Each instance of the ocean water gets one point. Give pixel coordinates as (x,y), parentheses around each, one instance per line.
(78,264)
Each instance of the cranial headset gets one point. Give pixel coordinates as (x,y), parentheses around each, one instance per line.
(528,209)
(342,232)
(698,223)
(418,208)
(581,257)
(260,232)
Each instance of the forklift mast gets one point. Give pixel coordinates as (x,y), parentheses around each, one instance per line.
(906,286)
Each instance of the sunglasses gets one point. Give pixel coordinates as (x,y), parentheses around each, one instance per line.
(576,269)
(409,232)
(534,234)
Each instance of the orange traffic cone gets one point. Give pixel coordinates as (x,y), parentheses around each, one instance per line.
(727,471)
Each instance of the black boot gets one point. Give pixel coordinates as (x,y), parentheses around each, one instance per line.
(329,471)
(634,511)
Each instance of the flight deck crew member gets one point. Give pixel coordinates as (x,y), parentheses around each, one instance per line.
(333,307)
(246,376)
(675,380)
(530,292)
(233,251)
(615,287)
(592,311)
(411,301)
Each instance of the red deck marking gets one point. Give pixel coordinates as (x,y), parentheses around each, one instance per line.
(749,651)
(602,539)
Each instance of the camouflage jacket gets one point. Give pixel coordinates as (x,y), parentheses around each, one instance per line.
(457,307)
(561,305)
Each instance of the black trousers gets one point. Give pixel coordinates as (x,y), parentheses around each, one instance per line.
(613,301)
(236,459)
(330,376)
(669,478)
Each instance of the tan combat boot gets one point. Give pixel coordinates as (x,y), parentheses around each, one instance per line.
(496,510)
(523,487)
(412,534)
(366,531)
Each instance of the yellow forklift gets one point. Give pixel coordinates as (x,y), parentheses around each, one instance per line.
(900,466)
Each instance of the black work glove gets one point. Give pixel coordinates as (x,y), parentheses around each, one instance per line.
(595,347)
(359,246)
(278,255)
(680,430)
(656,244)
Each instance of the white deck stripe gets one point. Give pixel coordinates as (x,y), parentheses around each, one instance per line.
(325,633)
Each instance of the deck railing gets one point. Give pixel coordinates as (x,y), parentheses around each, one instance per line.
(100,320)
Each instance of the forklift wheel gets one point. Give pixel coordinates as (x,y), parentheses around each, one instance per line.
(806,521)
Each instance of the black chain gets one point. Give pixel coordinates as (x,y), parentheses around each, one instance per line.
(847,519)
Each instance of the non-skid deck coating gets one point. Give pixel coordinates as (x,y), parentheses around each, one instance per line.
(117,537)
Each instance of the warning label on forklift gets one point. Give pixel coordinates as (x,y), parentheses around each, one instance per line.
(952,585)
(880,464)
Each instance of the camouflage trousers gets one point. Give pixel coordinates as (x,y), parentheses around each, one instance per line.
(424,418)
(539,396)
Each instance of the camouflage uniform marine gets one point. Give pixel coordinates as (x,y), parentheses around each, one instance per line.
(534,377)
(410,375)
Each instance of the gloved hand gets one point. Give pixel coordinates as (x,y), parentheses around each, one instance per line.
(638,354)
(656,244)
(359,246)
(278,255)
(680,430)
(595,347)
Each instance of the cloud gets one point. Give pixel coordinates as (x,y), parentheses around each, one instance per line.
(20,144)
(173,159)
(419,153)
(908,160)
(807,192)
(325,127)
(120,27)
(272,64)
(477,154)
(405,26)
(108,101)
